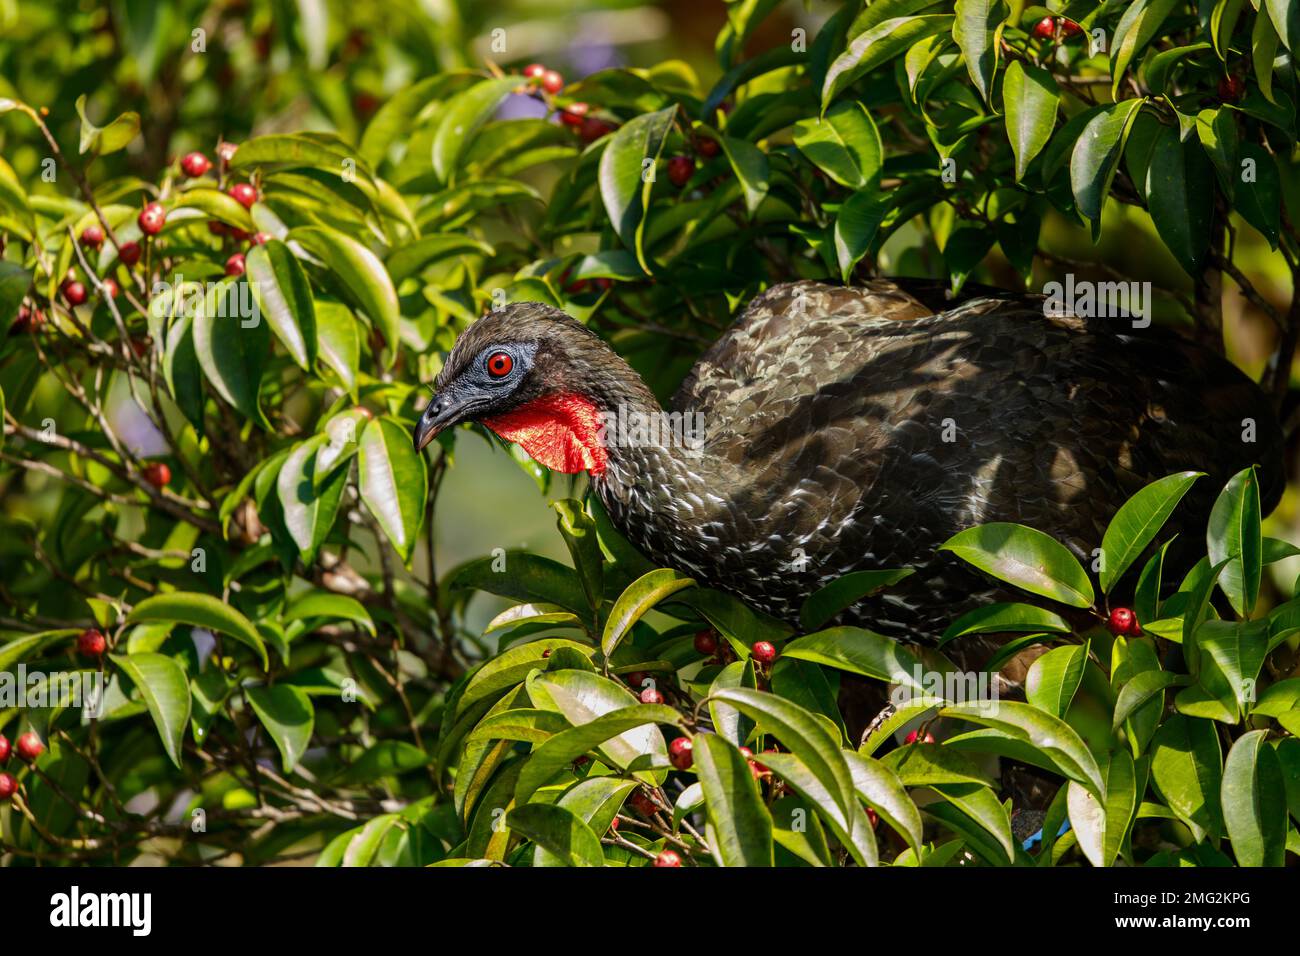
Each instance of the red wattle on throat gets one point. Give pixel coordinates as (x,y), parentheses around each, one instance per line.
(561,432)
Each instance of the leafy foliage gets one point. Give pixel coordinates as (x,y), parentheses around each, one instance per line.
(282,648)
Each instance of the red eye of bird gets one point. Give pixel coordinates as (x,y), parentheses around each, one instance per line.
(500,363)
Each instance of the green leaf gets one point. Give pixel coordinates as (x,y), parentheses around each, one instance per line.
(595,801)
(362,274)
(1259,199)
(856,223)
(919,764)
(393,482)
(14,283)
(215,205)
(199,610)
(1096,155)
(884,792)
(338,342)
(740,829)
(1187,770)
(166,692)
(845,591)
(853,830)
(283,294)
(975,31)
(805,736)
(752,170)
(1234,536)
(1286,21)
(1139,689)
(978,805)
(1264,42)
(461,117)
(1026,558)
(797,829)
(727,721)
(639,597)
(109,139)
(524,577)
(388,758)
(309,509)
(1030,98)
(1254,802)
(288,716)
(559,751)
(579,533)
(844,144)
(1136,29)
(1048,734)
(232,346)
(627,175)
(1179,189)
(1137,522)
(880,44)
(859,651)
(413,257)
(559,832)
(1223,20)
(1004,619)
(1054,677)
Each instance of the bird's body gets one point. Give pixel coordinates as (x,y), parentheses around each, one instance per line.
(847,429)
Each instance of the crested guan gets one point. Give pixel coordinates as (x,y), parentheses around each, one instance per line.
(856,428)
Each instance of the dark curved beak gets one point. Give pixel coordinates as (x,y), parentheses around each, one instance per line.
(444,410)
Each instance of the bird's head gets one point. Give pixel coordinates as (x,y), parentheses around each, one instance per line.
(536,377)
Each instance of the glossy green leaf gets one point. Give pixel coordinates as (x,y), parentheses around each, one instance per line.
(233,344)
(878,45)
(282,292)
(1234,536)
(1054,677)
(627,175)
(638,598)
(362,273)
(1137,523)
(166,692)
(1187,770)
(852,828)
(559,832)
(1026,558)
(1030,98)
(1254,801)
(858,651)
(393,482)
(1137,27)
(108,139)
(338,342)
(856,224)
(739,826)
(1096,155)
(461,118)
(845,591)
(975,31)
(288,716)
(309,509)
(844,144)
(1004,619)
(884,792)
(199,610)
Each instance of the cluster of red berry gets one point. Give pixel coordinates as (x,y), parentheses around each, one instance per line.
(1049,28)
(28,748)
(195,165)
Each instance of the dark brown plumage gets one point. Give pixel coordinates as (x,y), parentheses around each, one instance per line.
(851,428)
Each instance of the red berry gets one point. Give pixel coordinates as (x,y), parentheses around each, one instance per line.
(637,678)
(680,170)
(91,643)
(111,289)
(217,227)
(74,292)
(158,474)
(763,652)
(668,858)
(29,746)
(140,346)
(1045,28)
(260,238)
(1069,28)
(642,804)
(679,752)
(572,115)
(92,236)
(873,817)
(708,148)
(593,129)
(651,696)
(534,71)
(706,642)
(195,165)
(244,194)
(235,265)
(28,320)
(546,653)
(1231,88)
(913,737)
(226,151)
(8,786)
(129,254)
(613,824)
(1123,621)
(552,82)
(4,748)
(151,219)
